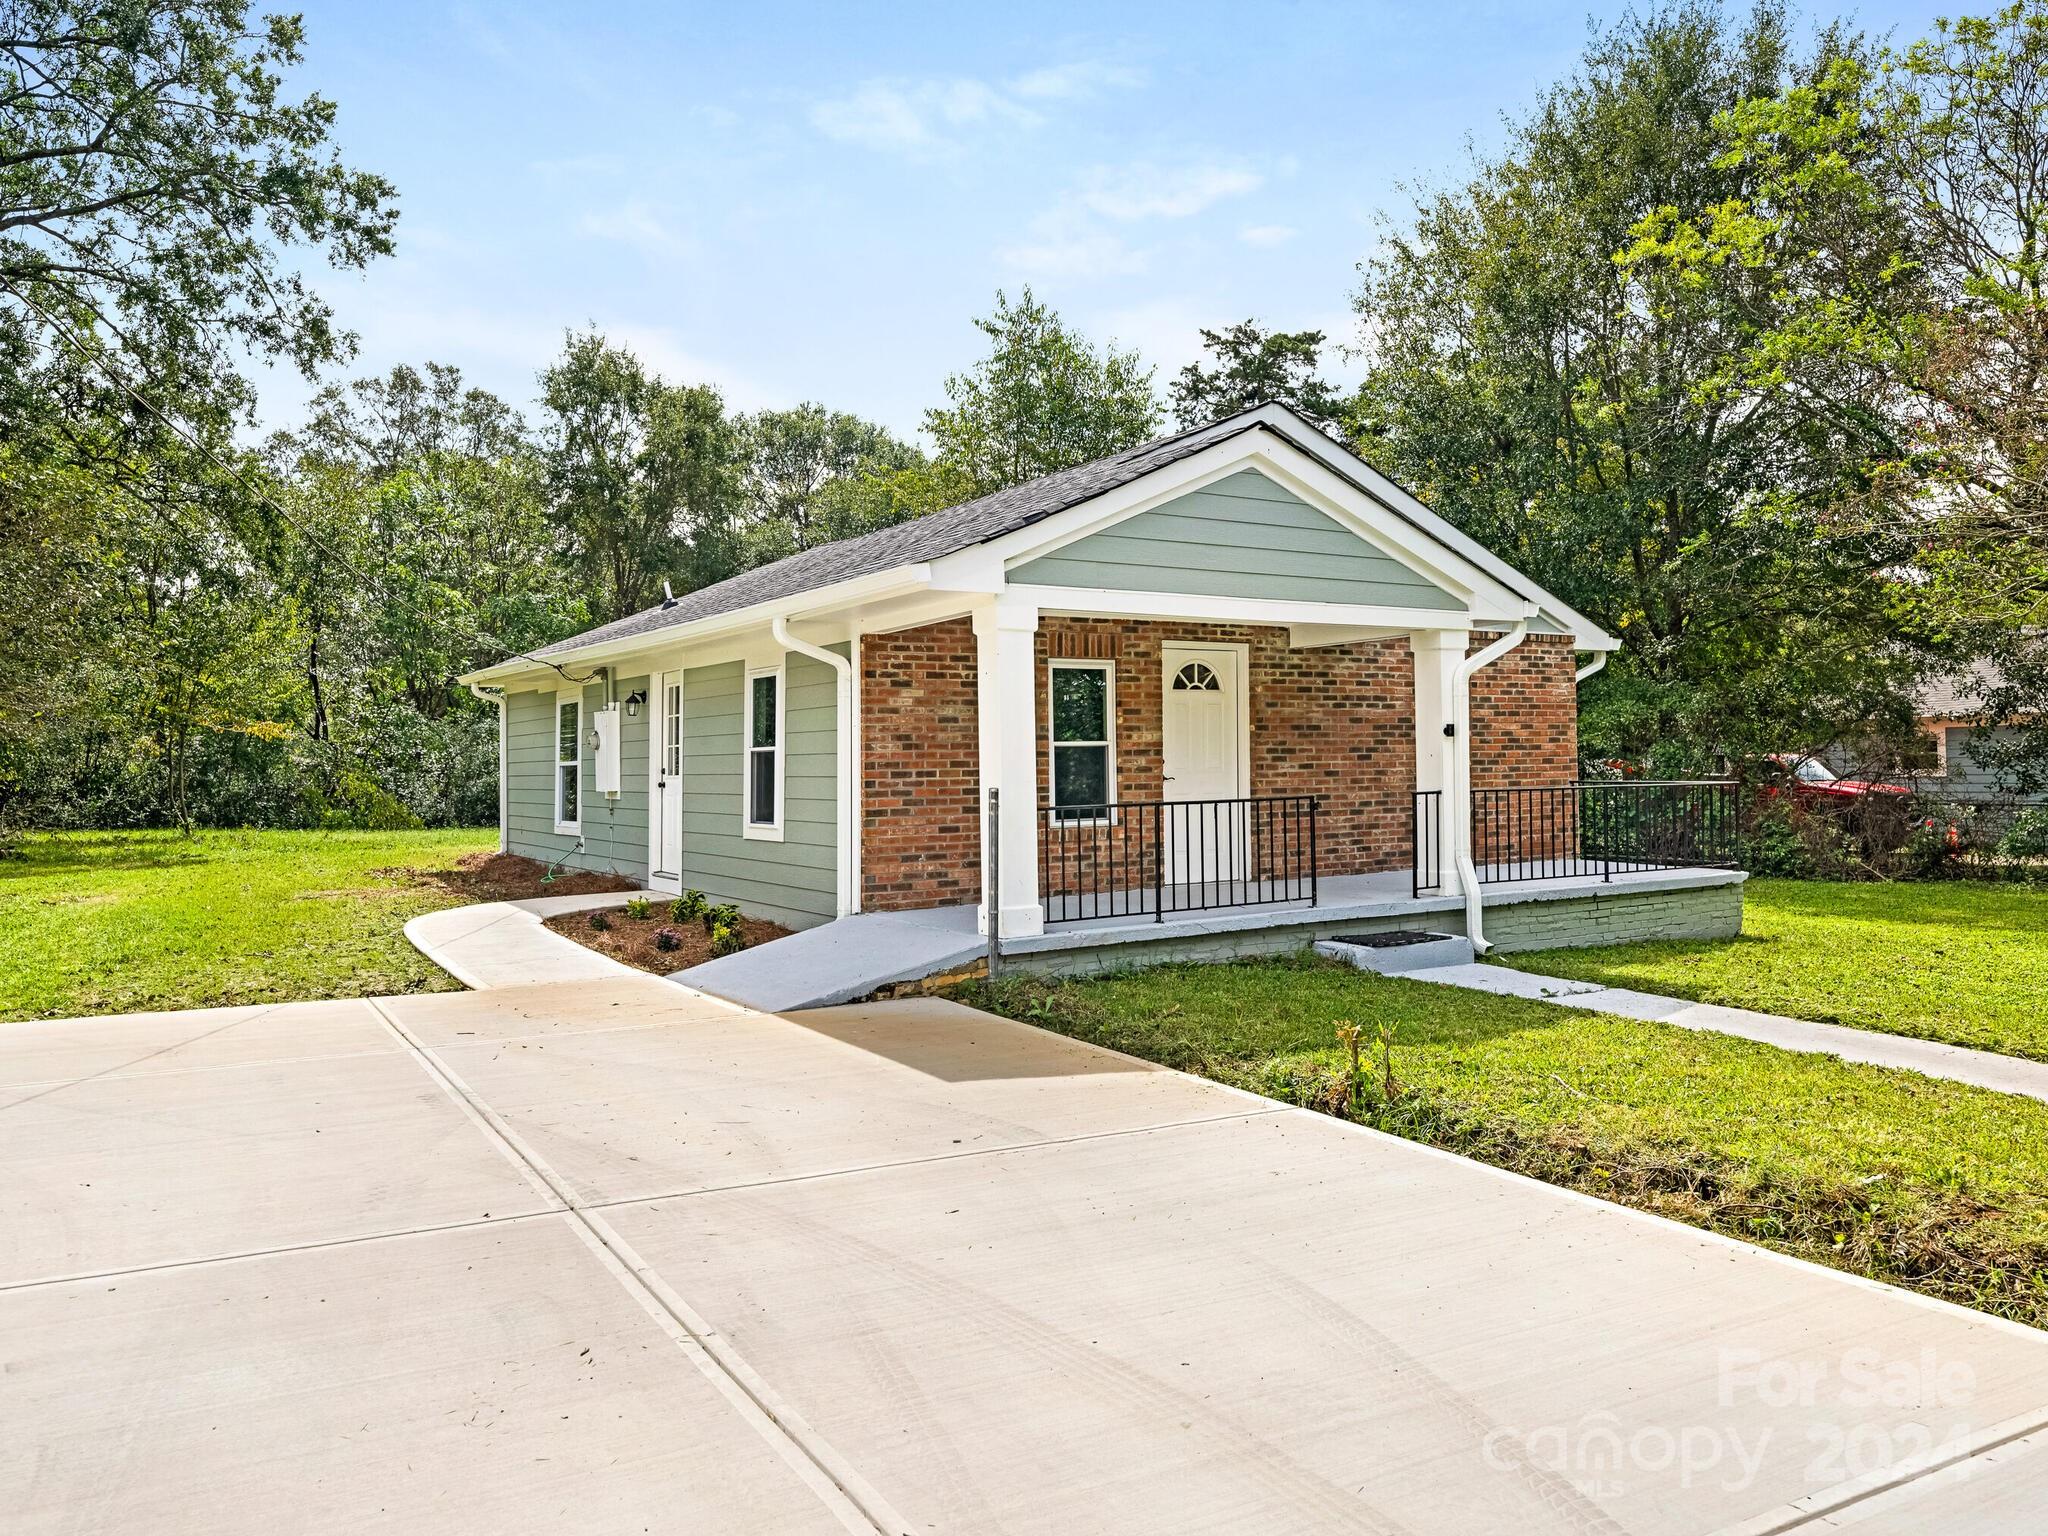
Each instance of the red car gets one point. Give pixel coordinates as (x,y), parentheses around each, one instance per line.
(1810,778)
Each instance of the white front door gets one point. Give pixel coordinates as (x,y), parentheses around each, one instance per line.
(1203,747)
(665,814)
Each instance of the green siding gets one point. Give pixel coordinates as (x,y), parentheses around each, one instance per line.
(793,881)
(614,826)
(1244,536)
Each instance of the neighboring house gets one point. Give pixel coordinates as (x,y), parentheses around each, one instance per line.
(1219,670)
(1950,715)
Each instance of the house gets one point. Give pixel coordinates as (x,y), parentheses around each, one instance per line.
(1950,714)
(1232,686)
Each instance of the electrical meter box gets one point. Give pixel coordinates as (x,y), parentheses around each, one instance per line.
(606,723)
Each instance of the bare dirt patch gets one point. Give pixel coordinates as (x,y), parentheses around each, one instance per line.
(631,940)
(508,877)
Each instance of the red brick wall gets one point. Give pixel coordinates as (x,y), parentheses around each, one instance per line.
(1335,722)
(1338,723)
(920,769)
(1525,714)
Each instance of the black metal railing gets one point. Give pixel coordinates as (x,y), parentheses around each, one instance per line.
(1585,831)
(1425,842)
(1153,858)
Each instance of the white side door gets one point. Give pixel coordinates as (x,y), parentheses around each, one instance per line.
(665,808)
(1203,746)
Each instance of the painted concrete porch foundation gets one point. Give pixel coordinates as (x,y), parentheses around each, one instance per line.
(851,958)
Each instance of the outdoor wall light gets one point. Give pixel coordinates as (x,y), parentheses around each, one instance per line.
(633,702)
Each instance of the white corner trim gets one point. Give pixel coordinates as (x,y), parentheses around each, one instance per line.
(846,789)
(764,831)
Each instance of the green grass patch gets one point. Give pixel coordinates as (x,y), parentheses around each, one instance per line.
(1963,963)
(1932,1185)
(118,922)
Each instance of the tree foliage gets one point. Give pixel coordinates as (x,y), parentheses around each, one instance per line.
(1577,411)
(1043,399)
(1250,366)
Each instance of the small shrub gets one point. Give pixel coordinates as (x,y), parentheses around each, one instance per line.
(688,908)
(638,909)
(724,915)
(2027,837)
(600,922)
(667,940)
(726,939)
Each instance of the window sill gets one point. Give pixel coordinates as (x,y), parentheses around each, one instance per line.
(568,829)
(761,834)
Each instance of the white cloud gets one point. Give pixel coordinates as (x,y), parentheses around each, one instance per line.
(1144,191)
(1077,80)
(1267,235)
(915,117)
(1077,255)
(640,226)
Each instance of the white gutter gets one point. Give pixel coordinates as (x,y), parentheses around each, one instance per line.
(497,697)
(1599,660)
(843,740)
(1461,765)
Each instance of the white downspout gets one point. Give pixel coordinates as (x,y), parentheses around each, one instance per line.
(1461,767)
(1599,660)
(497,697)
(842,739)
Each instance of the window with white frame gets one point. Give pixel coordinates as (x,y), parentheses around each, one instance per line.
(1082,710)
(762,786)
(568,763)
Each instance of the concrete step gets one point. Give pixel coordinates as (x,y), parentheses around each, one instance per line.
(1397,952)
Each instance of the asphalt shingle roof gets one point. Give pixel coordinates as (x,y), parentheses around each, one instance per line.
(912,543)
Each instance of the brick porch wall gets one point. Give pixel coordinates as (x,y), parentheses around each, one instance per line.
(1336,722)
(920,768)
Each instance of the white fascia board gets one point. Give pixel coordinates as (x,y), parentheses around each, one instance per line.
(1103,602)
(1341,461)
(811,604)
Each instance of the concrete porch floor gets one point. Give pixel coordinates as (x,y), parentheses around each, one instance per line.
(848,959)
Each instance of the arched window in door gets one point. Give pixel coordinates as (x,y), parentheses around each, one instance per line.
(1195,678)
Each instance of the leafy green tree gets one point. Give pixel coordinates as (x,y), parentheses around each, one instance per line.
(796,462)
(153,173)
(1897,206)
(1043,399)
(1251,366)
(1573,410)
(644,478)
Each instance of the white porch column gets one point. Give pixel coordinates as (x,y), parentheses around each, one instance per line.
(1437,654)
(1005,637)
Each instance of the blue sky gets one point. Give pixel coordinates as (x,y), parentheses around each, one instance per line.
(810,202)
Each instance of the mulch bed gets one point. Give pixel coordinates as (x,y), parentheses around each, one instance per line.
(509,877)
(631,939)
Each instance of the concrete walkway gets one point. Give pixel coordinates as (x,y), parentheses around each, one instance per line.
(508,944)
(1982,1069)
(839,961)
(610,1255)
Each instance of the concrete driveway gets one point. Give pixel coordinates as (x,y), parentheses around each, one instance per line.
(610,1256)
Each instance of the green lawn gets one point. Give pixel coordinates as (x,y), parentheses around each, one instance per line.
(1928,1184)
(116,922)
(1960,962)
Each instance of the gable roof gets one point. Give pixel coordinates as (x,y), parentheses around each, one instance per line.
(922,538)
(948,532)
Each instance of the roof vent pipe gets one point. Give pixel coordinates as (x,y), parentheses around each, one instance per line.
(1461,762)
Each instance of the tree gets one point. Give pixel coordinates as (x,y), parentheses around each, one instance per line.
(152,173)
(1899,203)
(1253,366)
(1044,399)
(795,462)
(1576,412)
